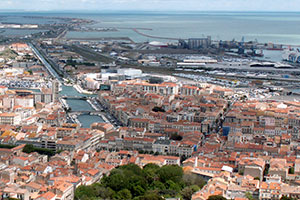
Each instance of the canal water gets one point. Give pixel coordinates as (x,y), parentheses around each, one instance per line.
(75,105)
(71,91)
(80,105)
(87,120)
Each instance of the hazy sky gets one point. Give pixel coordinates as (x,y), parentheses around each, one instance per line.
(230,5)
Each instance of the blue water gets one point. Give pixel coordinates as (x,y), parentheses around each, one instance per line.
(21,20)
(276,27)
(17,17)
(265,27)
(79,105)
(70,91)
(20,32)
(87,120)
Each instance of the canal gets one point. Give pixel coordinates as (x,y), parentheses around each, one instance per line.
(75,105)
(80,105)
(87,120)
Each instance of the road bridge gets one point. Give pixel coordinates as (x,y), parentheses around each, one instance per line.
(87,112)
(75,97)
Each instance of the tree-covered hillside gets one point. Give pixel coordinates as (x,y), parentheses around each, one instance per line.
(150,183)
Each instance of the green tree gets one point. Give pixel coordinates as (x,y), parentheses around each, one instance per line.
(124,194)
(29,148)
(150,172)
(84,192)
(193,179)
(131,182)
(133,168)
(116,182)
(216,197)
(249,196)
(138,190)
(291,170)
(266,171)
(158,109)
(158,185)
(187,192)
(168,193)
(170,172)
(151,166)
(7,146)
(151,196)
(102,192)
(172,186)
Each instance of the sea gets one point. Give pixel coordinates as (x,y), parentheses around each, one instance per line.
(265,27)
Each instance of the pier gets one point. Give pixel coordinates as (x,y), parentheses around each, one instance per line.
(100,39)
(154,37)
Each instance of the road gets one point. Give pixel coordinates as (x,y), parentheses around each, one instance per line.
(41,57)
(60,36)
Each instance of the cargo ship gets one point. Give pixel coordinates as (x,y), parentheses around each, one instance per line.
(275,47)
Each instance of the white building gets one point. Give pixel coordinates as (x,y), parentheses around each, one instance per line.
(10,118)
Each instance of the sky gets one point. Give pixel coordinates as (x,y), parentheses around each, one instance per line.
(152,5)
